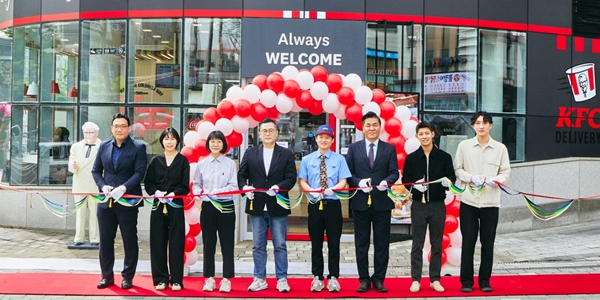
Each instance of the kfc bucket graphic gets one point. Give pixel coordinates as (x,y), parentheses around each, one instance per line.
(583,81)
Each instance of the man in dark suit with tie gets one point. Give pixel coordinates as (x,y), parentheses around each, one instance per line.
(119,168)
(268,166)
(372,162)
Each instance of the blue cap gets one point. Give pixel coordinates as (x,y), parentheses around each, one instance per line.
(326,129)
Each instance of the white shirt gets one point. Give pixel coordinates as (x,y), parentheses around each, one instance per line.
(267,157)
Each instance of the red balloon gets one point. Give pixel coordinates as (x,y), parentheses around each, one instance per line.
(451,224)
(190,154)
(388,109)
(443,257)
(234,140)
(393,126)
(445,241)
(275,82)
(319,73)
(194,229)
(316,108)
(188,202)
(401,156)
(190,243)
(260,81)
(211,114)
(273,113)
(259,112)
(200,148)
(334,83)
(346,96)
(242,108)
(358,125)
(398,142)
(291,88)
(378,96)
(226,109)
(305,99)
(354,112)
(453,208)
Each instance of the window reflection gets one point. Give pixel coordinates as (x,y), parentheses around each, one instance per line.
(60,55)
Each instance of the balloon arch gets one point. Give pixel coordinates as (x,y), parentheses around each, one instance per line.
(293,90)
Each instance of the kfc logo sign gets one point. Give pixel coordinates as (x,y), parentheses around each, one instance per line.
(582,79)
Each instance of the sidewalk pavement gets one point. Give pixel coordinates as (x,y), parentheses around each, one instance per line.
(567,249)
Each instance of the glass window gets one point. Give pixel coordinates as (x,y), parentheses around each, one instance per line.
(5,140)
(26,56)
(5,64)
(23,168)
(102,74)
(154,61)
(503,70)
(511,132)
(57,133)
(60,51)
(148,123)
(450,68)
(211,59)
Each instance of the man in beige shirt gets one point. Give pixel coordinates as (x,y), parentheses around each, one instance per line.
(480,161)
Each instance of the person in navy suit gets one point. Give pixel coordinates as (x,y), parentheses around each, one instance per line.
(372,162)
(119,168)
(268,166)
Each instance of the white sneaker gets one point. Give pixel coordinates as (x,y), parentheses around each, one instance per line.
(161,286)
(258,284)
(333,285)
(225,286)
(282,285)
(176,287)
(436,286)
(316,285)
(415,287)
(209,284)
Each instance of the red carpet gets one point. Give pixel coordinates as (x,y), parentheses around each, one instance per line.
(504,285)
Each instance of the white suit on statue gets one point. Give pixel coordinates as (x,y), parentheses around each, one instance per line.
(83,182)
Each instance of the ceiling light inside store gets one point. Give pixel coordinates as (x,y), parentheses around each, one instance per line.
(204,31)
(147,30)
(165,42)
(197,24)
(156,36)
(64,40)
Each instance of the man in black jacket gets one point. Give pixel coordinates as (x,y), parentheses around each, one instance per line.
(428,163)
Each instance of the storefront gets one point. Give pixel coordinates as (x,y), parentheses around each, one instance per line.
(66,62)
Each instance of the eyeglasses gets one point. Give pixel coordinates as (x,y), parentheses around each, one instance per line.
(269,131)
(122,126)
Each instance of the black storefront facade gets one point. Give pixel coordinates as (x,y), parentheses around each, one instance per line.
(65,62)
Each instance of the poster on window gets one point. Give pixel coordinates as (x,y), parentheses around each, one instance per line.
(450,83)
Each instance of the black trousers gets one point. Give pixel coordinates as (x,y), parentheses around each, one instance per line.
(213,221)
(167,230)
(473,221)
(380,220)
(108,221)
(432,214)
(328,220)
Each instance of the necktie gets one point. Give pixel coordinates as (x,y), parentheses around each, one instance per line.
(323,173)
(371,155)
(89,149)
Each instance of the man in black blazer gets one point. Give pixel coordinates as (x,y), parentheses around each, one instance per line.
(268,166)
(119,168)
(372,162)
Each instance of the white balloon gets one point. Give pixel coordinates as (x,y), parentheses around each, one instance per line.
(319,90)
(224,125)
(411,145)
(252,123)
(453,255)
(340,114)
(305,80)
(449,198)
(456,237)
(427,244)
(205,128)
(383,135)
(426,256)
(296,107)
(402,113)
(251,93)
(284,103)
(234,93)
(268,98)
(371,106)
(352,81)
(191,258)
(192,215)
(408,128)
(190,138)
(289,72)
(240,125)
(187,228)
(331,103)
(363,95)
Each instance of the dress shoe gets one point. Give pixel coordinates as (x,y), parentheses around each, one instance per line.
(378,286)
(466,289)
(104,283)
(126,284)
(77,243)
(486,288)
(364,287)
(95,244)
